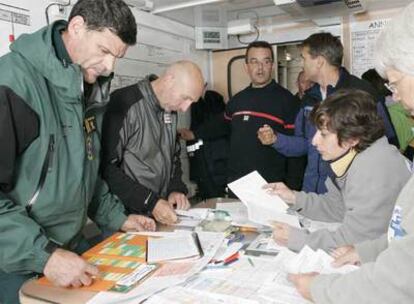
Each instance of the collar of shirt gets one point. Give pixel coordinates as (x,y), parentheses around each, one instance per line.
(60,49)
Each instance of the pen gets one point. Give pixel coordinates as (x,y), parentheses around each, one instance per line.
(231,261)
(250,261)
(231,258)
(198,244)
(247,229)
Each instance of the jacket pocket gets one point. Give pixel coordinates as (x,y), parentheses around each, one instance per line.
(46,167)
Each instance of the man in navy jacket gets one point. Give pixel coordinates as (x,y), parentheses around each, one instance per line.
(322,55)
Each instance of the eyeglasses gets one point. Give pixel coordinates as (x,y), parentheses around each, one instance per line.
(256,63)
(392,86)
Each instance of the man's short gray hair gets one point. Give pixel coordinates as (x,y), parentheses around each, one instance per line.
(395,46)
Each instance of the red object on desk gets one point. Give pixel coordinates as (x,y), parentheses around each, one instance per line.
(231,258)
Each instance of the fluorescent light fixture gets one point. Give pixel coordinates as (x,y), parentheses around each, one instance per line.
(177,6)
(240,27)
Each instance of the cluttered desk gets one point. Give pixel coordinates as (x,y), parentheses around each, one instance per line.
(220,251)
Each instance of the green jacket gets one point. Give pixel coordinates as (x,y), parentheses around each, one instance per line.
(403,124)
(71,188)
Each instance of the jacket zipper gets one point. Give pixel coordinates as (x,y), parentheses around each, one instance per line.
(46,167)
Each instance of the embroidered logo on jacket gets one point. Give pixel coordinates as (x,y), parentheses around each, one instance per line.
(90,126)
(395,231)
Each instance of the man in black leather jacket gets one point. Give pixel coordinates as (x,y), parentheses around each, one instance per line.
(141,161)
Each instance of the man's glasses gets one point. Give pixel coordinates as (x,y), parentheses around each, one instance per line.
(392,86)
(256,63)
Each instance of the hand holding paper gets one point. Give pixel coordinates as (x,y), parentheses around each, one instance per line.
(261,206)
(282,191)
(345,255)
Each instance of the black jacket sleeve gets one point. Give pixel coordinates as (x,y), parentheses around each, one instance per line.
(19,126)
(295,166)
(176,183)
(215,127)
(135,197)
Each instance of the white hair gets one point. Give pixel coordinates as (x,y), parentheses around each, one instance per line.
(395,46)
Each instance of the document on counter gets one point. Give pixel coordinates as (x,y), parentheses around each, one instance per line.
(308,260)
(168,275)
(185,246)
(193,213)
(262,207)
(238,213)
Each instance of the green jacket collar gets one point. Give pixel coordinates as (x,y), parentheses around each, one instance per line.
(48,61)
(61,52)
(38,49)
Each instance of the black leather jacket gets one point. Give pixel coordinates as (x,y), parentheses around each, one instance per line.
(141,153)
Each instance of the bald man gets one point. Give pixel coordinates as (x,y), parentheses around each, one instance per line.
(141,161)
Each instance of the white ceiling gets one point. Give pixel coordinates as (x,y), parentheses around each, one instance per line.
(236,9)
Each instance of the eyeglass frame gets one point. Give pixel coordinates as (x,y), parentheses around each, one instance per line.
(392,86)
(256,63)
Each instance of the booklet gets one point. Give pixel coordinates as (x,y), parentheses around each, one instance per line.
(121,263)
(172,248)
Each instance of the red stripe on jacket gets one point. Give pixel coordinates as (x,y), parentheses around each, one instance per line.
(262,115)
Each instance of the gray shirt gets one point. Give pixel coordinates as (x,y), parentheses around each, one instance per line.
(387,275)
(362,199)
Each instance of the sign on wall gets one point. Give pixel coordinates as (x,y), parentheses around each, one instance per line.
(364,36)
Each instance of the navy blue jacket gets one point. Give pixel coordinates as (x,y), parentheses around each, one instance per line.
(318,170)
(245,113)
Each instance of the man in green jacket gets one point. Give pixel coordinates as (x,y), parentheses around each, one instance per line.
(53,85)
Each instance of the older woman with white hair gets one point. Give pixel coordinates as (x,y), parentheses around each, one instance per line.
(387,264)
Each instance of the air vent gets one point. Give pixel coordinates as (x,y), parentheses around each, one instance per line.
(353,4)
(311,3)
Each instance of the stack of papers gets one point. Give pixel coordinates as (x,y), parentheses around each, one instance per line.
(169,274)
(262,207)
(308,260)
(180,247)
(191,218)
(238,213)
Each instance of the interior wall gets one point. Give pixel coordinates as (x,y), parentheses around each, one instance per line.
(219,71)
(19,11)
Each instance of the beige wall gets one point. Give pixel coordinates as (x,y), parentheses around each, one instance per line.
(239,76)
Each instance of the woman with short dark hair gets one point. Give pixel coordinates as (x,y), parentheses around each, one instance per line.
(368,174)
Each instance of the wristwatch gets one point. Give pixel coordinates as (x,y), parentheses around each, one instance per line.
(51,247)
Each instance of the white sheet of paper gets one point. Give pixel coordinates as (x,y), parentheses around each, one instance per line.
(238,213)
(262,207)
(318,225)
(308,260)
(163,249)
(187,222)
(194,213)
